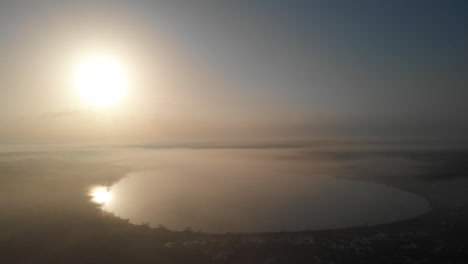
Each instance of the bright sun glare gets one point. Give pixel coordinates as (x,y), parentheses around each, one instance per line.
(101,81)
(100,195)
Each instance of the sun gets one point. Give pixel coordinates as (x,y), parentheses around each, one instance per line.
(100,195)
(101,81)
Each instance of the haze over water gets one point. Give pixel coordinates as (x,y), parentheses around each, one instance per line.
(237,191)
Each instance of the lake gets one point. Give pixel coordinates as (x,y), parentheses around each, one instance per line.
(220,191)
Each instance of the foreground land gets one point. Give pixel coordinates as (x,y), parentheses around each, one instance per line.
(47,216)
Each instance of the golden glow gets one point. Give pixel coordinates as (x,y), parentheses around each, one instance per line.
(101,195)
(101,81)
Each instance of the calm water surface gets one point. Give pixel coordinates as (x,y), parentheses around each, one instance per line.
(219,194)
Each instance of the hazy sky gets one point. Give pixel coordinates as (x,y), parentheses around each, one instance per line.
(237,69)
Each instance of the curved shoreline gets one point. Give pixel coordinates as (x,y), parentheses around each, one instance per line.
(428,208)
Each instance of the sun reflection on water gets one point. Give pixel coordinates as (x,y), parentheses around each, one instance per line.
(100,195)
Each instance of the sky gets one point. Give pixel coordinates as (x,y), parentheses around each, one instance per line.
(229,70)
